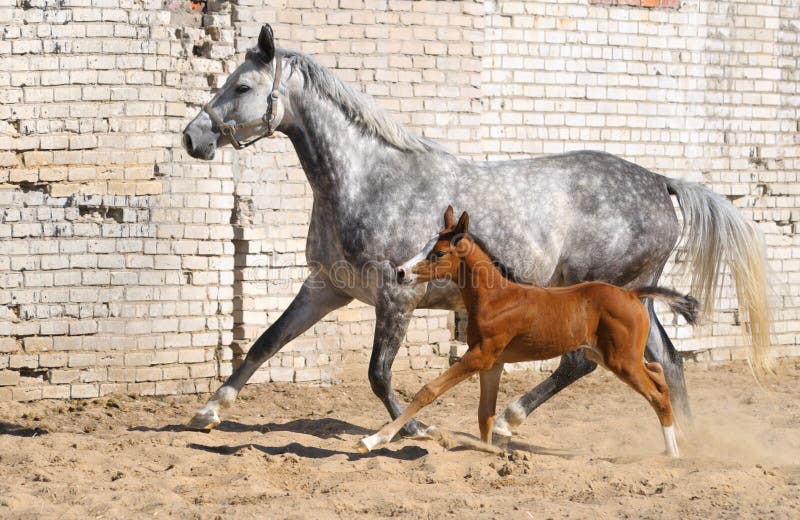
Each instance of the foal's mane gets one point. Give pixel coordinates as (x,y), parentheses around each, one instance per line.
(359,107)
(507,272)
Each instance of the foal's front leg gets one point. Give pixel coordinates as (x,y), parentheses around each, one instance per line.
(461,370)
(490,382)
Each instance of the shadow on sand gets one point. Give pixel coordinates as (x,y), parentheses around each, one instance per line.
(16,430)
(331,428)
(311,452)
(515,445)
(322,428)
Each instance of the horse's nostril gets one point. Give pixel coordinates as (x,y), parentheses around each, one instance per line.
(400,275)
(187,142)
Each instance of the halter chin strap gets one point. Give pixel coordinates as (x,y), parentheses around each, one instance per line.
(271,118)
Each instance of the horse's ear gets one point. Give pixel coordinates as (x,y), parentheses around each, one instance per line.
(449,220)
(266,42)
(462,228)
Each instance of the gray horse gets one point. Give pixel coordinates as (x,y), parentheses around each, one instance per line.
(379,191)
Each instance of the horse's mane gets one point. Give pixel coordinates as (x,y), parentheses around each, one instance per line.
(358,107)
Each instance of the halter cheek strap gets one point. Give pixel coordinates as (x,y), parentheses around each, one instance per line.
(271,118)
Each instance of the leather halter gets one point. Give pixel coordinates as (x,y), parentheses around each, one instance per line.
(268,119)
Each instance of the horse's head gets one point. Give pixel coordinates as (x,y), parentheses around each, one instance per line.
(441,256)
(248,107)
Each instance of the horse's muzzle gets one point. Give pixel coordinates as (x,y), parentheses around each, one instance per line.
(406,276)
(196,150)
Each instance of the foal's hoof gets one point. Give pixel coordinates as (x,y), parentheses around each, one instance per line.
(204,421)
(361,447)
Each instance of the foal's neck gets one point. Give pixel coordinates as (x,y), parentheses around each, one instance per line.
(479,277)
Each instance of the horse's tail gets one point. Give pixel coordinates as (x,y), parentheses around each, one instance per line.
(683,304)
(716,234)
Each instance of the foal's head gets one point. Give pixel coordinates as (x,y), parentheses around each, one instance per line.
(440,258)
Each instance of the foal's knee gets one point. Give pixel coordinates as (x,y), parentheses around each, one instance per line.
(656,373)
(425,396)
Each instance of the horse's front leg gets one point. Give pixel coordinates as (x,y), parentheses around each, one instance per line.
(572,367)
(393,313)
(316,299)
(470,363)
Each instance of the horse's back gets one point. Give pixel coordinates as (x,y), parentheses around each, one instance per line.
(579,216)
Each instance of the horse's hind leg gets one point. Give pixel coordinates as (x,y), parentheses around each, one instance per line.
(660,349)
(490,382)
(572,367)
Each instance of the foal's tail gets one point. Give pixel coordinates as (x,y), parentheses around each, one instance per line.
(716,235)
(682,304)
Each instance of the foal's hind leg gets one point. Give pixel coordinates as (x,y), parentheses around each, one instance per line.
(656,374)
(648,380)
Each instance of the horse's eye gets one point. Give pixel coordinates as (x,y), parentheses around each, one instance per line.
(241,89)
(439,254)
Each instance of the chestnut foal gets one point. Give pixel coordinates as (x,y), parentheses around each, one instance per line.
(511,322)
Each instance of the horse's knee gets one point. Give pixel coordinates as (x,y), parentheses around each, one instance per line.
(380,380)
(573,366)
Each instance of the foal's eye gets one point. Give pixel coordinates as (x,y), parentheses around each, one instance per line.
(241,89)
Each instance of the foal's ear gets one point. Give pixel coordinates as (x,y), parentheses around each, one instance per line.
(449,220)
(266,42)
(463,224)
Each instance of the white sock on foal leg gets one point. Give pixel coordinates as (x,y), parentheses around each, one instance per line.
(670,441)
(369,443)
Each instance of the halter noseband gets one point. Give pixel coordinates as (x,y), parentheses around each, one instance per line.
(230,130)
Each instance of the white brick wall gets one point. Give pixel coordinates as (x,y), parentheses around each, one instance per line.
(708,92)
(126,266)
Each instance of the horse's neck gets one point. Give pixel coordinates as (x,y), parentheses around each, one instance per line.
(332,150)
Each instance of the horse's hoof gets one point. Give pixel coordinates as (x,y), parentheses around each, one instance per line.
(423,434)
(501,428)
(513,415)
(204,421)
(414,430)
(361,447)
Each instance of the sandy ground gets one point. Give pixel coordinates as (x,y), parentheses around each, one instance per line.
(285,451)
